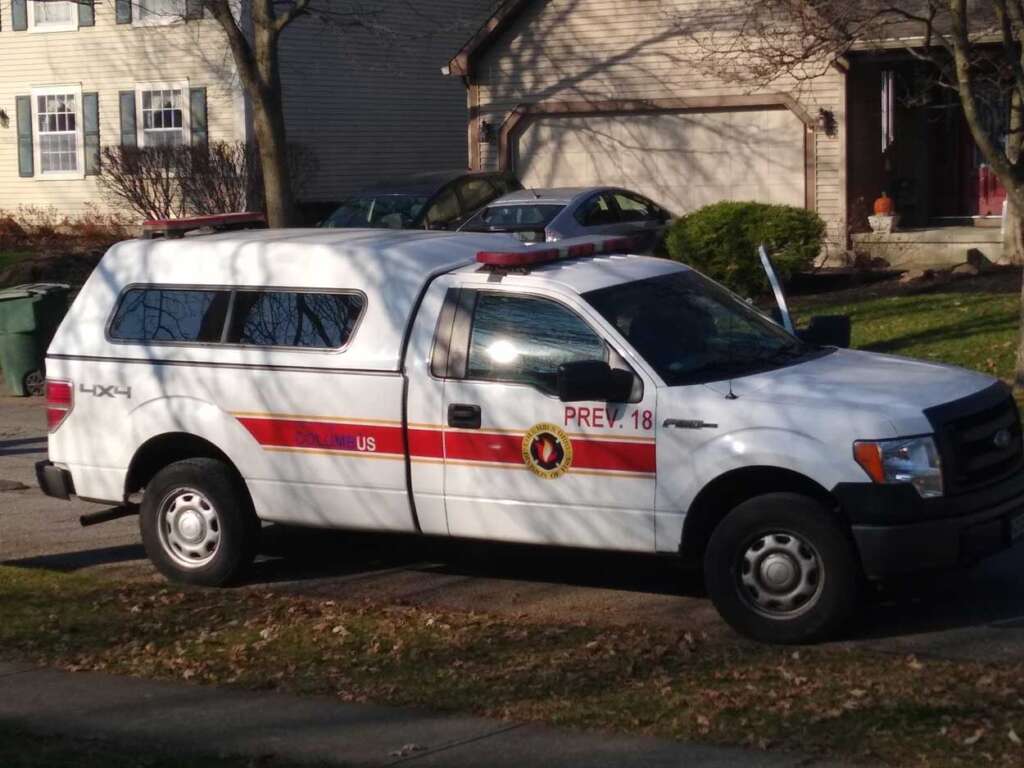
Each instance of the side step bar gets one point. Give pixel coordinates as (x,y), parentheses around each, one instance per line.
(106,515)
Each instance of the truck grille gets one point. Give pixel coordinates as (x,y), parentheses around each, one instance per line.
(979,439)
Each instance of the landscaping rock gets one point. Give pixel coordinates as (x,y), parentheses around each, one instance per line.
(917,276)
(965,270)
(979,261)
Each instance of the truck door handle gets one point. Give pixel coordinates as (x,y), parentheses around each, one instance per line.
(464,416)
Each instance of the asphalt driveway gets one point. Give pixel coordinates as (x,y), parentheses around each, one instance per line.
(977,614)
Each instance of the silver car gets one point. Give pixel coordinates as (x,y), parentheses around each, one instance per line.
(547,215)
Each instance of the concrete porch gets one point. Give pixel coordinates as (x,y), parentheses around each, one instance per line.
(930,248)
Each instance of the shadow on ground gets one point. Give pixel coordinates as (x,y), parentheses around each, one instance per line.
(483,576)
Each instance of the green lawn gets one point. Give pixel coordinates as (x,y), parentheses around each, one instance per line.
(10,257)
(972,323)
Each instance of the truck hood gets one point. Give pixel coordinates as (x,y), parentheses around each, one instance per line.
(885,387)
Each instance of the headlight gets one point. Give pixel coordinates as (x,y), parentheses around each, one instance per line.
(912,460)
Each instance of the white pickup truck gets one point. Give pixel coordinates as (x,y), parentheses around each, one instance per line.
(435,383)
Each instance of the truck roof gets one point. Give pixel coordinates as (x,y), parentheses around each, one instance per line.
(391,267)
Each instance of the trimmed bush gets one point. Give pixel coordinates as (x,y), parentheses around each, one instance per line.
(721,240)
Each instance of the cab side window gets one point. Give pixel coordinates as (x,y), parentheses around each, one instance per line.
(524,339)
(170,315)
(294,319)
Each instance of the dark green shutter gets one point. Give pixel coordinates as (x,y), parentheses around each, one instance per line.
(91,120)
(25,162)
(19,16)
(86,14)
(123,10)
(193,9)
(128,136)
(197,117)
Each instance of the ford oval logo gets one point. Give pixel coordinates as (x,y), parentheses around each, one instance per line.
(1001,439)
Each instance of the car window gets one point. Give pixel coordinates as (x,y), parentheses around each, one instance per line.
(524,339)
(386,211)
(598,211)
(444,210)
(294,318)
(170,315)
(476,193)
(512,216)
(634,208)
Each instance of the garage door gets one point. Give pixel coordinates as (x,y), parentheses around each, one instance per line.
(681,160)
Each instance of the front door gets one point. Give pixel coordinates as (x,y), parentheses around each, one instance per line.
(520,464)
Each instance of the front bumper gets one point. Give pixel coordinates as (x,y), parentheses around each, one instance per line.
(54,481)
(897,532)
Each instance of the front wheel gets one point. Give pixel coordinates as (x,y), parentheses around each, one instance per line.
(780,569)
(197,523)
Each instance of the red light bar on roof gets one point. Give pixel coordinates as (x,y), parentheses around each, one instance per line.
(532,258)
(220,222)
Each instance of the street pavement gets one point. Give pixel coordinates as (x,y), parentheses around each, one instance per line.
(972,614)
(181,719)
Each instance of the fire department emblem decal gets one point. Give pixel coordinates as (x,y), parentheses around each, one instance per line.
(547,451)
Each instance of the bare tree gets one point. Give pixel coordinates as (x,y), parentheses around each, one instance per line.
(972,48)
(257,60)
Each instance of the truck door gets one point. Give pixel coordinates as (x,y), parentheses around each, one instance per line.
(519,463)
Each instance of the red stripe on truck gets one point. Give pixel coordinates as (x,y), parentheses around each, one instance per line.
(428,443)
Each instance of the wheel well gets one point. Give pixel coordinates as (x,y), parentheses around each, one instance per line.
(157,452)
(726,492)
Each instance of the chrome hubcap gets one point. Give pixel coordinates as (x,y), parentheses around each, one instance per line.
(189,528)
(781,575)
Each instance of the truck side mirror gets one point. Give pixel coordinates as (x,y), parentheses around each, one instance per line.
(593,380)
(827,331)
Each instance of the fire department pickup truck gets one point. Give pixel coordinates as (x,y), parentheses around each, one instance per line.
(442,384)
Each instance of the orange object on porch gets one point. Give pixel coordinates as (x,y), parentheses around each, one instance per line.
(883,205)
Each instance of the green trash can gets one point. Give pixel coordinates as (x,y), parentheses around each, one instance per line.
(29,316)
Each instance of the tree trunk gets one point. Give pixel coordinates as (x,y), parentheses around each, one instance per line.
(1013,235)
(271,138)
(272,146)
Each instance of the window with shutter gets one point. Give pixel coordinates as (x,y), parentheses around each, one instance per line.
(163,114)
(52,15)
(155,12)
(57,132)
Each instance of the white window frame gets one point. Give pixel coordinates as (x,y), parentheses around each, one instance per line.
(157,20)
(186,108)
(69,26)
(59,90)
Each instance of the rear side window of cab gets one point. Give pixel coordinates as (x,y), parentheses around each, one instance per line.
(294,319)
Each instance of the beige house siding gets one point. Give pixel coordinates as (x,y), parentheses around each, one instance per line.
(106,58)
(374,104)
(602,50)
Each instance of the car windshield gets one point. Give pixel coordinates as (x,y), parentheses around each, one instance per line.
(691,330)
(384,211)
(512,218)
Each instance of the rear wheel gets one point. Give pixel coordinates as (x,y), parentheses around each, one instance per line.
(781,569)
(197,523)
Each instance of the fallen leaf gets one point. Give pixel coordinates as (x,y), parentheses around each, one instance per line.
(1014,737)
(970,741)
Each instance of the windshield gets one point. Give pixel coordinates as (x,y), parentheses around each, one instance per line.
(513,218)
(384,211)
(691,330)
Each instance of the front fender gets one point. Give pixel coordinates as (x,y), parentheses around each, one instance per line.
(689,471)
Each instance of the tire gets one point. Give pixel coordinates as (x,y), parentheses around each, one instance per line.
(781,569)
(197,523)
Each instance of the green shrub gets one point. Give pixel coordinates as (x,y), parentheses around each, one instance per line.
(721,240)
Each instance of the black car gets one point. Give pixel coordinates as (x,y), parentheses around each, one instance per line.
(440,200)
